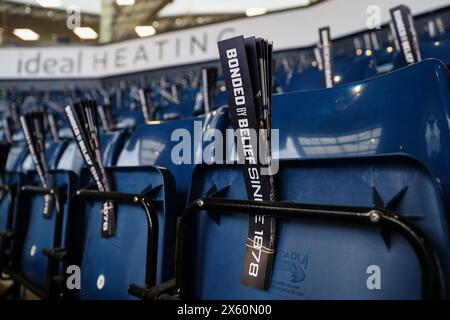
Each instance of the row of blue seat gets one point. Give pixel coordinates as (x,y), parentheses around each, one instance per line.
(378,144)
(294,71)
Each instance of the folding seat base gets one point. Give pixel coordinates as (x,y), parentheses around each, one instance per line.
(432,281)
(148,207)
(140,252)
(31,267)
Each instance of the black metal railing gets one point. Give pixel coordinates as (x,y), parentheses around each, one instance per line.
(431,273)
(152,220)
(49,292)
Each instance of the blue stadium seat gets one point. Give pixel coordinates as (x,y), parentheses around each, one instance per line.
(110,265)
(34,233)
(111,144)
(54,151)
(383,57)
(346,70)
(16,156)
(179,110)
(438,48)
(353,145)
(128,119)
(8,202)
(12,180)
(221,99)
(151,144)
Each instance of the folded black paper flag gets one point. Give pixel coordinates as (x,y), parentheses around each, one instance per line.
(83,120)
(32,125)
(145,97)
(402,26)
(209,80)
(326,55)
(247,69)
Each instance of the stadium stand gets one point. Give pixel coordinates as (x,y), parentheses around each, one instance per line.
(363,181)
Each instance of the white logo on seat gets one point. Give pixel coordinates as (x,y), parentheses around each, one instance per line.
(100,282)
(33,250)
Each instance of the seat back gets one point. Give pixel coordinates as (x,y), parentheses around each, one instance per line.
(16,156)
(53,150)
(128,119)
(8,203)
(403,112)
(387,136)
(35,232)
(109,265)
(438,49)
(345,71)
(111,144)
(156,144)
(318,259)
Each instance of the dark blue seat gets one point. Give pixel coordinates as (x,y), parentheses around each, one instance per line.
(34,233)
(372,117)
(317,259)
(438,48)
(346,71)
(151,144)
(175,111)
(309,79)
(181,110)
(54,151)
(12,180)
(8,202)
(122,260)
(220,99)
(431,48)
(17,154)
(128,119)
(384,57)
(380,142)
(110,265)
(111,144)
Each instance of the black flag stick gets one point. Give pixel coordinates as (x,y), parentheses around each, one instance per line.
(209,80)
(93,135)
(8,129)
(146,103)
(245,65)
(53,124)
(76,117)
(32,126)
